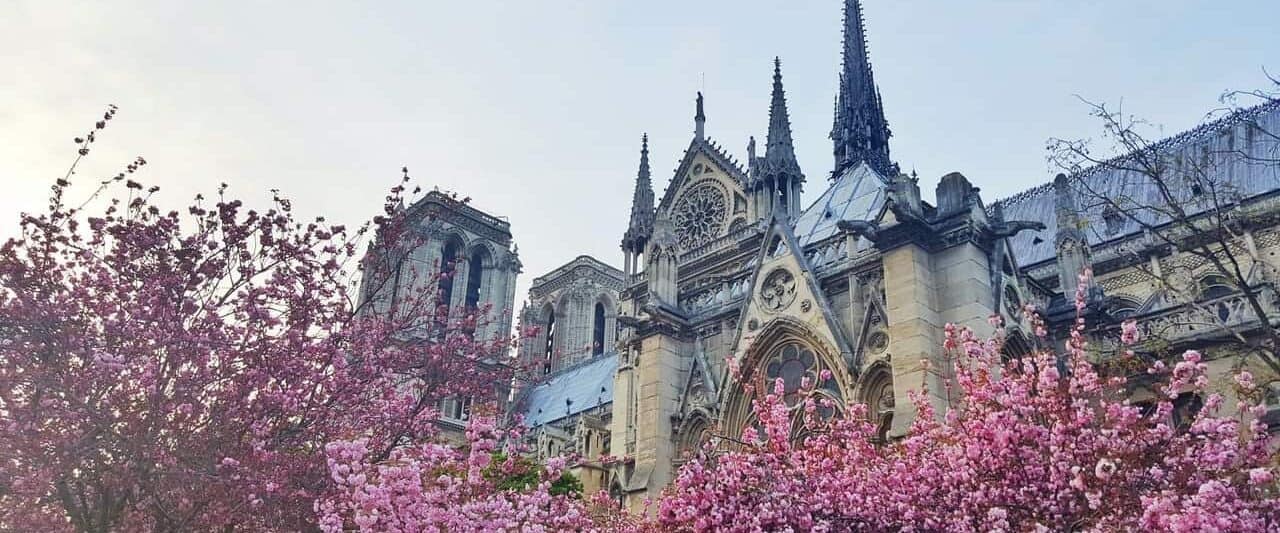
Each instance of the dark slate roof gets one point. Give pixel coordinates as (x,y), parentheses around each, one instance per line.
(586,385)
(858,194)
(1247,179)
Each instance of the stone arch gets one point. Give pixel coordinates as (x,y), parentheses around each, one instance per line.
(692,434)
(451,254)
(1214,285)
(477,276)
(875,390)
(772,348)
(1124,306)
(604,326)
(1016,346)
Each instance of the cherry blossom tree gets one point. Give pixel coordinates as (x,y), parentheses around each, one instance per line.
(178,370)
(1038,443)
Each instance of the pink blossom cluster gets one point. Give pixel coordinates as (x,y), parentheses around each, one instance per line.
(1038,443)
(434,487)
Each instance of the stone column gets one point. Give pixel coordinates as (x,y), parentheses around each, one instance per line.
(915,331)
(660,365)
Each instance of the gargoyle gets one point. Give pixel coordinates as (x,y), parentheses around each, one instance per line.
(861,228)
(1002,229)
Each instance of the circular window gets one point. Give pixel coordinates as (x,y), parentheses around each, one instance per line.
(699,216)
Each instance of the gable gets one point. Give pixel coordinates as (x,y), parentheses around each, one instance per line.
(703,162)
(785,294)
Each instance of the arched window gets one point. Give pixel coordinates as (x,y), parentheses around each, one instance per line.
(448,263)
(549,349)
(475,275)
(1015,347)
(878,395)
(1124,307)
(1212,287)
(597,331)
(1216,287)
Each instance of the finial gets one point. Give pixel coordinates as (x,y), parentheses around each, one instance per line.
(777,66)
(751,148)
(644,142)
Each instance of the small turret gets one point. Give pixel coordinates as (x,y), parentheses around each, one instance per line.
(641,226)
(776,180)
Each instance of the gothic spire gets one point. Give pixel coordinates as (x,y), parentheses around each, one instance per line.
(779,150)
(641,225)
(859,131)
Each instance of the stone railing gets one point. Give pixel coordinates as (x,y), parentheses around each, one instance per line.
(1209,318)
(717,243)
(716,296)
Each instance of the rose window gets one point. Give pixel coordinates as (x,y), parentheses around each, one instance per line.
(699,216)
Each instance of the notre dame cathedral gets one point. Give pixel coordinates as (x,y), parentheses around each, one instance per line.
(629,369)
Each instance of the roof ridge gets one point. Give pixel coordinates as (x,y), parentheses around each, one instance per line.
(1176,140)
(719,151)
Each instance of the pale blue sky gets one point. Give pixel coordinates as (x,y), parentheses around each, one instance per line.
(535,109)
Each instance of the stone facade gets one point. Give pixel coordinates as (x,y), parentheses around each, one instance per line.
(727,268)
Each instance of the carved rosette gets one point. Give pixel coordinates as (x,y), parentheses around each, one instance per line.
(778,290)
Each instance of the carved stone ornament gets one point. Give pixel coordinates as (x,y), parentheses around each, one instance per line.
(778,290)
(753,324)
(805,305)
(878,342)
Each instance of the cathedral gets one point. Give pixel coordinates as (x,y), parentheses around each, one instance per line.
(631,369)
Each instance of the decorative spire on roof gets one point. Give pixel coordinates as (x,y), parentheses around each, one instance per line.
(641,226)
(780,154)
(775,180)
(859,131)
(699,120)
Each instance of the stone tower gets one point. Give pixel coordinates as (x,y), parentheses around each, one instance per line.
(574,310)
(477,261)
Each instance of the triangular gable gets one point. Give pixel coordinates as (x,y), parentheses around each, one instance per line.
(792,296)
(706,153)
(874,319)
(699,374)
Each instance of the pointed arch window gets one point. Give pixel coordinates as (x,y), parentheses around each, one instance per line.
(448,264)
(549,348)
(475,276)
(597,330)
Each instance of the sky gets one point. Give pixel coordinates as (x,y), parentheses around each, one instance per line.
(535,109)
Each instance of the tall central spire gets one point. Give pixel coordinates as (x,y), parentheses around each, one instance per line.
(859,131)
